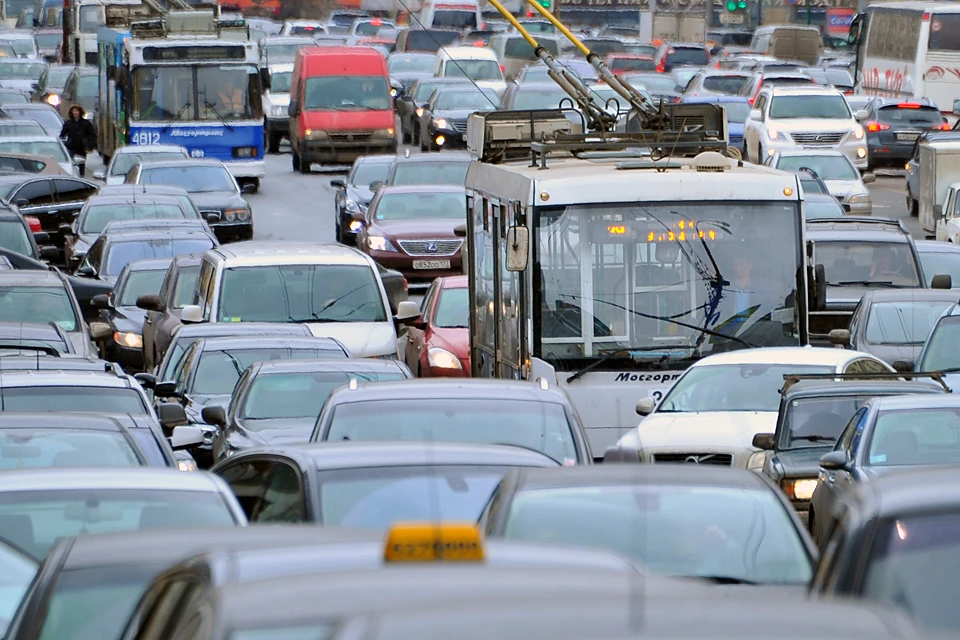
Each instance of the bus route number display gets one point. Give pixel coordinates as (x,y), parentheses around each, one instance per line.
(187,53)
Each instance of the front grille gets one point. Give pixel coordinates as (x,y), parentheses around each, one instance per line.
(715,459)
(460,126)
(350,137)
(815,138)
(431,247)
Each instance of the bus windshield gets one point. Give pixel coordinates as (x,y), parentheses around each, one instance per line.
(661,283)
(209,93)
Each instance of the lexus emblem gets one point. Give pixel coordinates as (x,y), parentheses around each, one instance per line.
(432,247)
(819,138)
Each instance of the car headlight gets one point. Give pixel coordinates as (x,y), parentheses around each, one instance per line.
(419,111)
(278,111)
(860,199)
(313,134)
(355,225)
(755,463)
(800,488)
(776,134)
(53,100)
(440,123)
(351,206)
(393,92)
(858,133)
(379,243)
(127,339)
(384,133)
(187,465)
(442,359)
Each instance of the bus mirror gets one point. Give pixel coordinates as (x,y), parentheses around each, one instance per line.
(265,78)
(667,252)
(518,245)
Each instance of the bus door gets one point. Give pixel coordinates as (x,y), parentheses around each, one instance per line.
(508,296)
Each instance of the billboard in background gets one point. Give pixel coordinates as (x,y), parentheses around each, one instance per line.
(838,21)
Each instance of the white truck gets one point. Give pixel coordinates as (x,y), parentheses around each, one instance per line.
(673,26)
(939,168)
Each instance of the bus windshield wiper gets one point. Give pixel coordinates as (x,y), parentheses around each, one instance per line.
(210,107)
(886,284)
(614,352)
(176,118)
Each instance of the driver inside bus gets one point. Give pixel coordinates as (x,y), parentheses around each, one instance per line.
(229,99)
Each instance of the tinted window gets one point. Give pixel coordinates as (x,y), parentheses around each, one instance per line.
(430,40)
(923,116)
(535,425)
(940,351)
(453,308)
(455,19)
(62,398)
(812,106)
(945,32)
(139,283)
(688,55)
(441,172)
(632,64)
(219,371)
(726,84)
(194,179)
(346,93)
(13,236)
(916,437)
(520,48)
(934,263)
(38,305)
(871,262)
(120,254)
(414,206)
(298,395)
(473,69)
(73,190)
(907,322)
(818,422)
(367,173)
(36,448)
(747,387)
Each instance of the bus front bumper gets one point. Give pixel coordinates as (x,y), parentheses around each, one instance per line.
(246,168)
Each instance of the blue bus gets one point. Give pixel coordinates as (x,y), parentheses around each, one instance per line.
(202,93)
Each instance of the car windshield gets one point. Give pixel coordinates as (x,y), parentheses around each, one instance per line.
(42,448)
(934,262)
(473,69)
(140,283)
(453,309)
(880,263)
(420,206)
(915,437)
(22,128)
(282,51)
(940,352)
(827,167)
(430,39)
(17,570)
(51,148)
(21,71)
(98,215)
(346,93)
(123,162)
(36,520)
(925,116)
(77,398)
(819,209)
(737,533)
(120,254)
(526,98)
(534,425)
(810,106)
(298,395)
(913,565)
(818,422)
(366,173)
(57,76)
(280,81)
(96,601)
(24,47)
(377,498)
(13,236)
(732,387)
(219,371)
(653,83)
(726,84)
(464,100)
(193,179)
(405,63)
(37,305)
(903,322)
(439,172)
(425,89)
(48,41)
(301,293)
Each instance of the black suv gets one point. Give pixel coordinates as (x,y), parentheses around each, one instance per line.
(893,126)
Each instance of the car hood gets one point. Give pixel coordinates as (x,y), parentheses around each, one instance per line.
(714,429)
(457,115)
(844,298)
(128,319)
(278,430)
(456,340)
(802,462)
(362,339)
(218,200)
(436,228)
(22,85)
(360,195)
(845,189)
(890,353)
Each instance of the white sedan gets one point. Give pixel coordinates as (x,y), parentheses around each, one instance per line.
(712,413)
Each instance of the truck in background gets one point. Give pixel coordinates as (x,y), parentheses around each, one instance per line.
(667,25)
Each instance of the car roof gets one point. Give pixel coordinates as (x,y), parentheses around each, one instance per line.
(30,277)
(148,189)
(65,420)
(817,197)
(64,378)
(161,225)
(128,478)
(257,253)
(421,389)
(65,362)
(27,330)
(904,402)
(909,491)
(426,189)
(185,162)
(226,329)
(784,356)
(910,295)
(132,199)
(376,159)
(820,388)
(810,152)
(854,228)
(441,156)
(794,90)
(241,343)
(935,246)
(118,236)
(892,102)
(454,282)
(359,365)
(359,455)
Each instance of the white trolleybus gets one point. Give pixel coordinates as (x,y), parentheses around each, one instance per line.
(909,50)
(607,267)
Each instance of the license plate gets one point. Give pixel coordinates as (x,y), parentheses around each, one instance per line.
(907,137)
(431,264)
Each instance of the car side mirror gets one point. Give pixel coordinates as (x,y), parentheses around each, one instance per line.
(215,415)
(293,109)
(903,366)
(86,271)
(756,114)
(938,211)
(99,175)
(146,380)
(171,414)
(869,178)
(375,185)
(100,301)
(834,461)
(21,202)
(460,231)
(41,237)
(862,115)
(189,437)
(338,183)
(191,314)
(150,302)
(407,312)
(166,389)
(942,281)
(839,337)
(763,441)
(65,229)
(49,252)
(645,406)
(100,330)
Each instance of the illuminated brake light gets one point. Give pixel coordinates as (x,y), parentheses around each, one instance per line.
(874,127)
(661,67)
(34,223)
(943,127)
(376,22)
(908,105)
(926,16)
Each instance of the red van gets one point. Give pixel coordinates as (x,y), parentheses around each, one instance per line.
(340,106)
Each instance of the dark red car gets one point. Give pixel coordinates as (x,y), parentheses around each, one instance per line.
(410,229)
(438,344)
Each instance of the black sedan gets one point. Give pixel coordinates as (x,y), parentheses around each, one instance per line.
(893,127)
(354,193)
(893,324)
(374,485)
(21,338)
(410,104)
(443,122)
(120,312)
(211,187)
(885,436)
(278,402)
(812,415)
(680,521)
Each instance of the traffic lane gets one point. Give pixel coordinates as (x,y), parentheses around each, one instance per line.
(889,195)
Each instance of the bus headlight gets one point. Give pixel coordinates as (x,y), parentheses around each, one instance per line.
(129,340)
(442,359)
(245,152)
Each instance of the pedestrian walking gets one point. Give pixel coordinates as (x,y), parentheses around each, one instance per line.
(79,136)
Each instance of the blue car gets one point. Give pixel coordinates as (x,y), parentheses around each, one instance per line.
(738,108)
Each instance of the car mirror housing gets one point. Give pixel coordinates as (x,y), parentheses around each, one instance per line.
(215,415)
(834,461)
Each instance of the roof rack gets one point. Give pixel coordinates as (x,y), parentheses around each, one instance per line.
(854,220)
(41,348)
(790,379)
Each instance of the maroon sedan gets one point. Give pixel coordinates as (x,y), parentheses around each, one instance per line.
(410,229)
(438,344)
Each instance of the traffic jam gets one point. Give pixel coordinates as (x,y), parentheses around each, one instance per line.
(555,322)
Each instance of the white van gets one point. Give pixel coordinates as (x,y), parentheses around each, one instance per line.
(477,63)
(453,14)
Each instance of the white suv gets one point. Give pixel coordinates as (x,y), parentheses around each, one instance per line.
(803,118)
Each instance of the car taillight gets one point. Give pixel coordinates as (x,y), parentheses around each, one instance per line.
(945,126)
(503,69)
(661,67)
(908,105)
(873,127)
(34,224)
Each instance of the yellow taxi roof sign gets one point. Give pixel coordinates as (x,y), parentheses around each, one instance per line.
(434,542)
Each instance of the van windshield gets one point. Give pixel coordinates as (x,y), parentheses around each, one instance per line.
(455,18)
(346,93)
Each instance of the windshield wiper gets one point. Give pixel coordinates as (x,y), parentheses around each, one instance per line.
(210,107)
(236,363)
(886,284)
(813,438)
(176,118)
(610,354)
(724,579)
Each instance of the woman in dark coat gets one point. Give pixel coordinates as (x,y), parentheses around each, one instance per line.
(79,135)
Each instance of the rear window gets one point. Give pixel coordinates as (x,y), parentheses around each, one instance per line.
(430,40)
(688,55)
(520,48)
(725,84)
(632,64)
(896,114)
